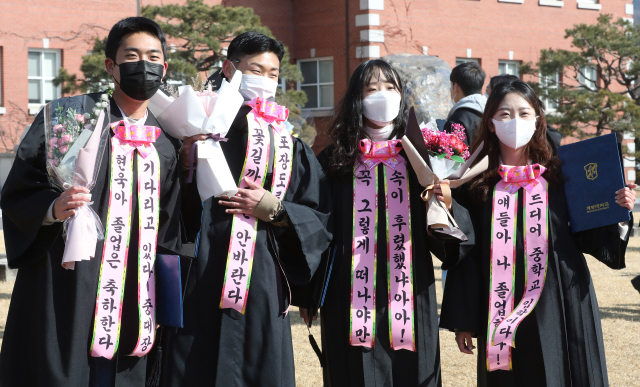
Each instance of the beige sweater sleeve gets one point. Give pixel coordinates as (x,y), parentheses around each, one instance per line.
(268,208)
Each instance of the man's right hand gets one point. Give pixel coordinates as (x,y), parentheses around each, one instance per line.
(187,143)
(69,200)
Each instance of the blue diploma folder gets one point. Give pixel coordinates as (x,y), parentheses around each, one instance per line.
(169,288)
(593,173)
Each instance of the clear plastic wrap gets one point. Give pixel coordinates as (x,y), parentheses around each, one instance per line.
(75,141)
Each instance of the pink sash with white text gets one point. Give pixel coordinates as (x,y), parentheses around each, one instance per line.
(235,289)
(108,313)
(503,318)
(364,248)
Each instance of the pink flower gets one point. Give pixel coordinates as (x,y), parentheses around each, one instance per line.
(49,155)
(56,162)
(53,142)
(58,128)
(66,138)
(80,118)
(63,149)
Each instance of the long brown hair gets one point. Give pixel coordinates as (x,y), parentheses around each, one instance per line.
(538,150)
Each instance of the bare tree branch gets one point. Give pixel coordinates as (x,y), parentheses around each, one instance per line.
(12,126)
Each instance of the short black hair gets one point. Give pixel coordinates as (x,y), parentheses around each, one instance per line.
(469,76)
(498,79)
(132,25)
(252,42)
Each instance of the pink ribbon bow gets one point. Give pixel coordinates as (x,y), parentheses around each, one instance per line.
(269,112)
(138,137)
(374,153)
(516,177)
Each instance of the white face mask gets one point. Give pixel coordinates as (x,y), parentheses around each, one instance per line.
(515,133)
(254,86)
(383,106)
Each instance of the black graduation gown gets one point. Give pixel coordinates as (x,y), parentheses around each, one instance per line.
(355,366)
(50,322)
(560,343)
(222,347)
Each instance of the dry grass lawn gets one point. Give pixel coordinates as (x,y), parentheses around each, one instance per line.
(619,307)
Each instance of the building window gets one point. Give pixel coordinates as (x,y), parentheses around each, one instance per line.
(588,77)
(43,67)
(550,82)
(317,83)
(509,67)
(460,61)
(590,4)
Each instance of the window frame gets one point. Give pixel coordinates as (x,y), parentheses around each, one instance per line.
(583,79)
(506,61)
(546,100)
(467,60)
(318,83)
(42,78)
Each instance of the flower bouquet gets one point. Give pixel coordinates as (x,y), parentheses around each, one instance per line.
(75,141)
(203,112)
(447,151)
(436,156)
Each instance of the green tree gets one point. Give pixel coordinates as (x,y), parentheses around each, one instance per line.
(199,34)
(594,85)
(96,76)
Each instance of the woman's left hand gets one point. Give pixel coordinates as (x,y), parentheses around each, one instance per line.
(245,201)
(626,197)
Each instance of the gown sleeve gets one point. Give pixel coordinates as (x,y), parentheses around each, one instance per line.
(462,299)
(301,244)
(607,244)
(26,197)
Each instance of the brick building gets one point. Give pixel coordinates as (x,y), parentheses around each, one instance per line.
(327,38)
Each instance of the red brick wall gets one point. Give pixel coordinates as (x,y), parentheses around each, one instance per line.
(447,27)
(23,25)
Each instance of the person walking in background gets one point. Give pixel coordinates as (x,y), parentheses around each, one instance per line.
(467,80)
(498,79)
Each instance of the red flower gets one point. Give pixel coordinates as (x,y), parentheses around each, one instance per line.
(457,145)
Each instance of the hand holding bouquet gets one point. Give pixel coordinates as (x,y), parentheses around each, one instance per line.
(75,143)
(203,112)
(437,156)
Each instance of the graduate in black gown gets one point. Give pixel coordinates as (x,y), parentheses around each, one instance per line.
(50,323)
(224,347)
(374,109)
(559,343)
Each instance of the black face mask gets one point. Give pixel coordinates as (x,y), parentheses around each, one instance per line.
(140,80)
